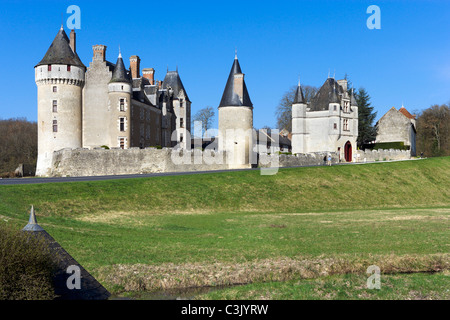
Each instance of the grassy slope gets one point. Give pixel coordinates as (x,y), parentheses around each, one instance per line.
(341,211)
(422,183)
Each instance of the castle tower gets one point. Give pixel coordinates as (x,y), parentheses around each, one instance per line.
(299,122)
(59,77)
(354,110)
(181,106)
(119,93)
(334,117)
(236,120)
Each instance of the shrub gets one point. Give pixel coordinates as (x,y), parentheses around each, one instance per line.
(26,266)
(390,145)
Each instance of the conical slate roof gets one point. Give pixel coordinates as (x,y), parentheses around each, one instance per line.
(90,288)
(299,98)
(173,81)
(229,97)
(60,52)
(334,96)
(353,100)
(120,74)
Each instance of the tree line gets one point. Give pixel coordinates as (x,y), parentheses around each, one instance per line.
(18,144)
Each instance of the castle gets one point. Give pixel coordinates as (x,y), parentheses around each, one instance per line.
(328,123)
(105,105)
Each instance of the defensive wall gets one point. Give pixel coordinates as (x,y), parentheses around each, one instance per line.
(98,162)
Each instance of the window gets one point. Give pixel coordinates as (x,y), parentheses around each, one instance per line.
(55,89)
(345,126)
(181,137)
(122,104)
(55,106)
(147,132)
(122,143)
(68,67)
(181,123)
(122,124)
(55,126)
(334,107)
(335,126)
(49,67)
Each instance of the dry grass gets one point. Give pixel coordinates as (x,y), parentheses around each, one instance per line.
(140,277)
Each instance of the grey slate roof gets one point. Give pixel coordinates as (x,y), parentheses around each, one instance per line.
(325,95)
(120,74)
(334,96)
(229,98)
(299,98)
(173,80)
(90,288)
(60,52)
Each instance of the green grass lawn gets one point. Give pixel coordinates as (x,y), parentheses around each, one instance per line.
(302,224)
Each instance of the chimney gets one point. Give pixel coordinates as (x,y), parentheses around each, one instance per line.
(99,52)
(135,63)
(73,41)
(343,84)
(239,85)
(149,73)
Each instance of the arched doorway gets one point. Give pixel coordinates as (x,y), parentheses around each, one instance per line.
(348,151)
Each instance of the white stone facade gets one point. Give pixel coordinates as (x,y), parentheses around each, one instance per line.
(332,129)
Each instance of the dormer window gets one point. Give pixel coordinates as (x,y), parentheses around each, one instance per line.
(68,67)
(346,103)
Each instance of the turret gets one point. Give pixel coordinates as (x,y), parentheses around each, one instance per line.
(119,91)
(236,120)
(354,110)
(299,121)
(60,78)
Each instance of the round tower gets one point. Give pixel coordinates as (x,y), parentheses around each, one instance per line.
(299,122)
(60,79)
(236,120)
(119,104)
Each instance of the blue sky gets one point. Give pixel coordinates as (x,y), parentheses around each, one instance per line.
(407,60)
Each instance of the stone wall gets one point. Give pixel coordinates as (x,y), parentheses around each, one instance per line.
(382,155)
(299,160)
(97,162)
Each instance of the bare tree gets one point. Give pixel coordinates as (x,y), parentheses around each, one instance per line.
(18,144)
(284,108)
(206,117)
(433,131)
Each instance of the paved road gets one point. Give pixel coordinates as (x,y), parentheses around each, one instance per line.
(33,180)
